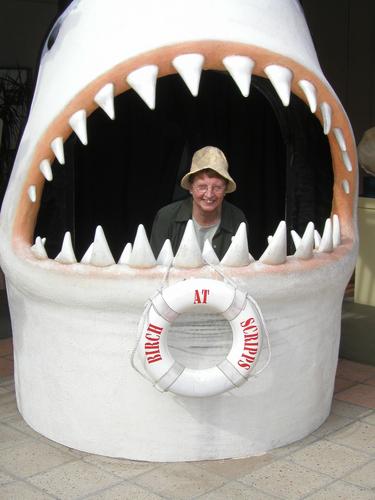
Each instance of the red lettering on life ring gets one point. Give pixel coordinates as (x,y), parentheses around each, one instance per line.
(152,348)
(251,344)
(201,298)
(208,295)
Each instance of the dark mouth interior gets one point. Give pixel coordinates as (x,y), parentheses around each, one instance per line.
(132,166)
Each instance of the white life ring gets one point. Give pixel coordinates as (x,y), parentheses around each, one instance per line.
(191,294)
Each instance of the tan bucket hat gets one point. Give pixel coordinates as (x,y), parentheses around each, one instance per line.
(212,158)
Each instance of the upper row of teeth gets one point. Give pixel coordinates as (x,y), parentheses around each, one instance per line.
(189,66)
(189,254)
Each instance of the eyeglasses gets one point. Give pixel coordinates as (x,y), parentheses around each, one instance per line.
(203,188)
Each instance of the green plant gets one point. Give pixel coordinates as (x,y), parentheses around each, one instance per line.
(14,103)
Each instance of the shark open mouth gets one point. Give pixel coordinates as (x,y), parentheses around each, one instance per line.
(141,74)
(297,275)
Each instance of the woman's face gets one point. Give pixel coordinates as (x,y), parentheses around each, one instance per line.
(207,192)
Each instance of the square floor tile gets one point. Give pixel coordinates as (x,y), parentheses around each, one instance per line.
(125,491)
(342,491)
(333,423)
(8,389)
(18,423)
(358,435)
(6,346)
(31,457)
(360,394)
(290,448)
(342,383)
(6,367)
(179,480)
(235,468)
(5,478)
(65,449)
(9,437)
(329,458)
(285,479)
(7,383)
(364,476)
(349,410)
(369,419)
(8,406)
(351,370)
(236,491)
(22,491)
(73,480)
(122,468)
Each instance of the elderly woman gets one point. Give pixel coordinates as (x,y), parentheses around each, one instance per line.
(214,219)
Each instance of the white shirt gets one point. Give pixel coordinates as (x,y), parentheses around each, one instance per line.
(205,232)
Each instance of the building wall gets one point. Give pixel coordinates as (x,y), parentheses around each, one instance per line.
(23,27)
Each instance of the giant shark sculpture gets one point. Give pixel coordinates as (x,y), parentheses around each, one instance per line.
(75,323)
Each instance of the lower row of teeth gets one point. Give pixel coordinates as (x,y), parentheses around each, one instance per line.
(189,255)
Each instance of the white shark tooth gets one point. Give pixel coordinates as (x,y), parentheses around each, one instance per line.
(45,168)
(275,253)
(101,254)
(317,239)
(142,255)
(189,254)
(281,78)
(310,92)
(143,81)
(189,67)
(336,232)
(296,238)
(237,254)
(346,160)
(340,138)
(327,117)
(32,193)
(306,246)
(209,254)
(240,68)
(78,122)
(165,256)
(57,146)
(38,249)
(125,256)
(326,245)
(105,99)
(269,239)
(44,240)
(346,186)
(66,256)
(87,256)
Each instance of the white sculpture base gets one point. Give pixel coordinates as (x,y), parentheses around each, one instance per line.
(75,383)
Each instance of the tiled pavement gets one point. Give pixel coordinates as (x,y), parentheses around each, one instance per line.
(337,461)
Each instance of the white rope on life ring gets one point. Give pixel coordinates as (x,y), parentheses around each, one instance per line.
(196,295)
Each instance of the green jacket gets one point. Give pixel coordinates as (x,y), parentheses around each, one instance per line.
(170,222)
